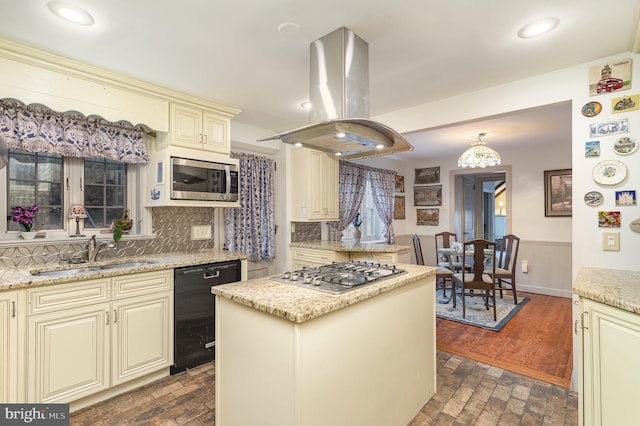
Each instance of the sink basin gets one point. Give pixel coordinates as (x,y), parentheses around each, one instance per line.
(126,265)
(64,272)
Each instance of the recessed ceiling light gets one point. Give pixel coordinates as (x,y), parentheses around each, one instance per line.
(306,105)
(289,29)
(70,13)
(538,28)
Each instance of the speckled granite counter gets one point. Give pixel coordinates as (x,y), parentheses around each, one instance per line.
(613,287)
(22,278)
(299,304)
(352,247)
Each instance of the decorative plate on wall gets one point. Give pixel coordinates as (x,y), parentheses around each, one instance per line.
(591,109)
(610,172)
(593,198)
(625,146)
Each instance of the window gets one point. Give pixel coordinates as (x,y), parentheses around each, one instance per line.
(54,183)
(372,226)
(36,178)
(105,191)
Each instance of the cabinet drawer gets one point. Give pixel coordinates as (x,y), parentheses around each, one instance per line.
(321,257)
(141,284)
(65,296)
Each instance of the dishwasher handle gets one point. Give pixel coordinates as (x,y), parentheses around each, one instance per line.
(208,276)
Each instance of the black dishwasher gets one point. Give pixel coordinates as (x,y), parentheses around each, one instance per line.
(194,311)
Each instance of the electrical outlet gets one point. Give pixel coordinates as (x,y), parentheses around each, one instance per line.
(611,241)
(200,232)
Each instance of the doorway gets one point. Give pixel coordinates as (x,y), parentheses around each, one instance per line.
(482,202)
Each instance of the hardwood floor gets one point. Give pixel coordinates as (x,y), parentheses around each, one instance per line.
(536,343)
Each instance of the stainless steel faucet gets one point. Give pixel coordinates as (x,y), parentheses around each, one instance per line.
(93,248)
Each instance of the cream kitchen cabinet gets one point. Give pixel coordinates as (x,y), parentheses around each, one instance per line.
(309,258)
(609,372)
(384,257)
(87,337)
(314,184)
(193,127)
(8,347)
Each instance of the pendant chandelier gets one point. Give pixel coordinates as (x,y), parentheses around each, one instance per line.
(479,155)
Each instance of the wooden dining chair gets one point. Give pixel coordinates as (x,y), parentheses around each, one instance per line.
(478,282)
(443,276)
(505,272)
(444,240)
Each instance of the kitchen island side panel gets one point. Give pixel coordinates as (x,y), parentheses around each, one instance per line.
(370,363)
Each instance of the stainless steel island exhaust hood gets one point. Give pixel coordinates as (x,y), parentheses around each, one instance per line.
(339,95)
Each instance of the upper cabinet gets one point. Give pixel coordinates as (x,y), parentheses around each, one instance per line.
(314,182)
(198,128)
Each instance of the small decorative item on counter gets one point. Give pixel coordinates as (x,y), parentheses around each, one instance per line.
(122,225)
(26,217)
(357,234)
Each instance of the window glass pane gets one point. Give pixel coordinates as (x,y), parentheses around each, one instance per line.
(28,172)
(93,172)
(93,195)
(105,191)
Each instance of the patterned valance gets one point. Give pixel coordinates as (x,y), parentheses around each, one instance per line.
(36,128)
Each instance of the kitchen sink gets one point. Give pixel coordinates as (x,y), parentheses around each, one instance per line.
(91,269)
(126,265)
(65,272)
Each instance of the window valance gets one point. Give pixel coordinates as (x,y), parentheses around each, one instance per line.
(36,128)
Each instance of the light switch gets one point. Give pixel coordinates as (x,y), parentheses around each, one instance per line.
(611,241)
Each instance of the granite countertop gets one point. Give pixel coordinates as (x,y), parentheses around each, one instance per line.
(613,287)
(351,247)
(11,279)
(298,304)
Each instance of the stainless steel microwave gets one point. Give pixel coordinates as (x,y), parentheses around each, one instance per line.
(203,180)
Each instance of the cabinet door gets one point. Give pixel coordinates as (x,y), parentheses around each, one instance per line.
(391,258)
(330,200)
(68,354)
(314,185)
(142,336)
(216,133)
(186,126)
(610,377)
(8,347)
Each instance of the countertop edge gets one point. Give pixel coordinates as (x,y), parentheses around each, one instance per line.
(298,305)
(356,247)
(613,287)
(20,278)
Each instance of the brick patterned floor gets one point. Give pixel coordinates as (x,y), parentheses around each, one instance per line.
(469,393)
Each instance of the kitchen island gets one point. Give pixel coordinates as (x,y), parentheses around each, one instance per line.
(314,253)
(287,355)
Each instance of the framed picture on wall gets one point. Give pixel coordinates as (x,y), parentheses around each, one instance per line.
(427,175)
(557,193)
(398,209)
(400,184)
(427,195)
(430,217)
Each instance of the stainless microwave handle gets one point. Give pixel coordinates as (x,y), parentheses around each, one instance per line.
(227,193)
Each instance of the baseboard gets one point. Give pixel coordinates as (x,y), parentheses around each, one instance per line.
(544,290)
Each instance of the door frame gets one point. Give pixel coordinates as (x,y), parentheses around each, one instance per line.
(456,194)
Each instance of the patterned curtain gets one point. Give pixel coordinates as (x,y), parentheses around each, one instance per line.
(250,228)
(36,128)
(383,184)
(352,179)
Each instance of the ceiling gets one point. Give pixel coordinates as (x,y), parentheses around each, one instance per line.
(231,52)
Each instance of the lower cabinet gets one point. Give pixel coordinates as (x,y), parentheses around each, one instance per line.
(609,368)
(8,347)
(308,258)
(87,337)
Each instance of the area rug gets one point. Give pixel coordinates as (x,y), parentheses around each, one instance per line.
(476,313)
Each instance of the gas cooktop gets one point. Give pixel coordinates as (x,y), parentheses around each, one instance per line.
(336,278)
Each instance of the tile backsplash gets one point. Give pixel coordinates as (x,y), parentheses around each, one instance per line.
(306,231)
(172,226)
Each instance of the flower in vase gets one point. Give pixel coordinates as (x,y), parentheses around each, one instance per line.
(357,221)
(25,216)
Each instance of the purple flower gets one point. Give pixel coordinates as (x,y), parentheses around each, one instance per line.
(25,217)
